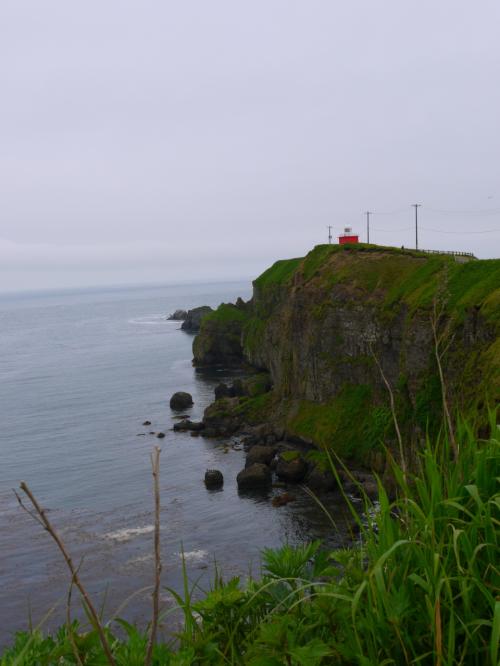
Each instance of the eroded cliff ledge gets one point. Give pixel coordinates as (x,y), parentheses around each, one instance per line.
(327,325)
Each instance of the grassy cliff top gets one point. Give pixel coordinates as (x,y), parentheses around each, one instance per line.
(393,275)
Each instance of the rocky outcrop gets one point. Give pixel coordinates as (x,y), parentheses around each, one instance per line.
(178,315)
(193,319)
(221,341)
(186,424)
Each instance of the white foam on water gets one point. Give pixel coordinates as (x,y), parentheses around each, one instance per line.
(139,560)
(194,555)
(128,533)
(148,320)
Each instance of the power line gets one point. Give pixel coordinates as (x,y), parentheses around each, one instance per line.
(441,231)
(390,231)
(483,211)
(391,212)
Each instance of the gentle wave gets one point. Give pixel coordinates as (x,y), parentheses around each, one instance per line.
(194,555)
(150,320)
(128,533)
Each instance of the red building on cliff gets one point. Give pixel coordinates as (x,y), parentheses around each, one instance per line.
(348,236)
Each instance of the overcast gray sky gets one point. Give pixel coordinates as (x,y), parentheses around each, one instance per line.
(156,141)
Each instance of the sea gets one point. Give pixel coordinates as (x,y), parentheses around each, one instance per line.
(80,371)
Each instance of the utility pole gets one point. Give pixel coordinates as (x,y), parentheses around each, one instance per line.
(367,226)
(416,207)
(329,235)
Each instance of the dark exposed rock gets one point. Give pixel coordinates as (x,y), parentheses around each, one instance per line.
(371,489)
(222,391)
(146,423)
(282,499)
(186,424)
(219,340)
(160,435)
(178,315)
(238,388)
(250,440)
(209,432)
(358,482)
(319,479)
(222,416)
(193,318)
(260,454)
(292,471)
(181,426)
(255,476)
(213,478)
(181,400)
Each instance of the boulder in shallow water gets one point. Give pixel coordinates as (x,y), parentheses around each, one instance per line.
(213,478)
(181,400)
(320,479)
(255,476)
(260,454)
(292,471)
(186,424)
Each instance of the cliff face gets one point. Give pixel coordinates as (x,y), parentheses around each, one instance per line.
(331,326)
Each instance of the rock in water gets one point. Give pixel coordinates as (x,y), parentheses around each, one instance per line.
(255,476)
(260,454)
(186,424)
(319,479)
(178,315)
(193,319)
(213,478)
(181,400)
(292,471)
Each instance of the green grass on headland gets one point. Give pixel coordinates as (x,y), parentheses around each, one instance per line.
(278,274)
(421,585)
(225,313)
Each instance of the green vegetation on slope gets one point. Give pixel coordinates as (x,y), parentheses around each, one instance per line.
(349,424)
(421,585)
(225,313)
(278,274)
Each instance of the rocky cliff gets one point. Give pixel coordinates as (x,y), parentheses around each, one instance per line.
(333,328)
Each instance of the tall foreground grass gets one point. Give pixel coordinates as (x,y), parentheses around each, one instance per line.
(422,586)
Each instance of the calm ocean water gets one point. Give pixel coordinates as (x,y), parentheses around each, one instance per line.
(81,371)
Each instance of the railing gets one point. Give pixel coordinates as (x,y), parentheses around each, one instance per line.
(456,254)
